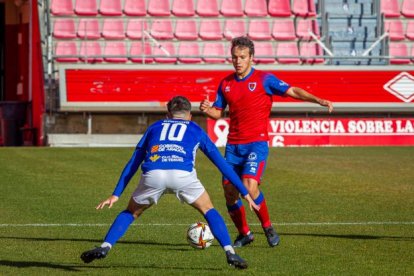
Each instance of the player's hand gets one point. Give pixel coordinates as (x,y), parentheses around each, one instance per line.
(109,201)
(328,104)
(205,105)
(252,205)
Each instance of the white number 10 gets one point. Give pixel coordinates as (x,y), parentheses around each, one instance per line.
(173,134)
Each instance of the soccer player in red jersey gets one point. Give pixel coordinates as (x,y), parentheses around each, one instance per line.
(248,93)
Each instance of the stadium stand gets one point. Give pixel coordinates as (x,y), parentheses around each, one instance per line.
(407,8)
(141,52)
(64,28)
(279,8)
(183,8)
(231,8)
(189,52)
(113,29)
(90,52)
(395,29)
(255,8)
(287,53)
(66,51)
(264,53)
(110,7)
(61,7)
(409,32)
(88,28)
(86,8)
(283,29)
(135,8)
(259,29)
(159,7)
(207,8)
(210,29)
(390,8)
(399,53)
(186,29)
(214,52)
(135,28)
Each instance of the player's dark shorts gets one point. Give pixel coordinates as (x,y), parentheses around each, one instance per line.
(247,160)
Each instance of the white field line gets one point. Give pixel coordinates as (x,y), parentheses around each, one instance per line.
(186,224)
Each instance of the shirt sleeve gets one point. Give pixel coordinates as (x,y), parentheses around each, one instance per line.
(131,167)
(211,151)
(220,102)
(274,86)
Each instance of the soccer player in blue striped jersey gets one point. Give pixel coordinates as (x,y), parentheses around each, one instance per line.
(167,152)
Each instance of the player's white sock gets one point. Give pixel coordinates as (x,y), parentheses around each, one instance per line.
(106,244)
(229,248)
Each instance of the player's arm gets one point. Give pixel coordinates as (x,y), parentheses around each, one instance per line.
(301,94)
(211,111)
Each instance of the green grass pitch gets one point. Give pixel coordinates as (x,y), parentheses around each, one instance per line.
(339,211)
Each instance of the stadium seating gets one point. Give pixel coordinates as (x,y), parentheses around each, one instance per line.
(397,53)
(390,8)
(86,8)
(303,26)
(183,8)
(394,29)
(186,30)
(115,51)
(409,32)
(255,7)
(141,52)
(310,53)
(113,29)
(90,51)
(64,28)
(189,52)
(135,8)
(279,8)
(287,53)
(231,8)
(61,7)
(110,7)
(207,8)
(210,29)
(283,29)
(234,28)
(162,29)
(135,28)
(264,53)
(165,53)
(214,52)
(66,51)
(259,29)
(407,8)
(159,7)
(304,8)
(88,29)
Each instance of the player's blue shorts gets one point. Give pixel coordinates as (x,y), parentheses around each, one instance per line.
(247,160)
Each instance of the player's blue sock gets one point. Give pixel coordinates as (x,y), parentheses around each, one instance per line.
(119,227)
(218,227)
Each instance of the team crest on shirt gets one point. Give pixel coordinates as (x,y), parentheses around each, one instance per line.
(227,89)
(252,86)
(252,156)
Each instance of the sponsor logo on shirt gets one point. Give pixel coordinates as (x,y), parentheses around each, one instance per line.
(154,148)
(168,147)
(154,158)
(172,158)
(252,86)
(253,169)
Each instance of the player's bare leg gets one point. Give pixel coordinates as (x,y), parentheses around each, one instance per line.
(116,231)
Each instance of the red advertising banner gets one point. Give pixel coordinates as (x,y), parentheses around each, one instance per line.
(117,88)
(328,132)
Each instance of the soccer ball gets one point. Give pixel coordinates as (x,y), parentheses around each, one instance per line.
(199,235)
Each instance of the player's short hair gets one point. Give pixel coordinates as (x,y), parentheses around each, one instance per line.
(179,104)
(243,42)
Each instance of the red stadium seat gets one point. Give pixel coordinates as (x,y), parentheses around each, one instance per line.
(210,29)
(231,8)
(86,7)
(90,51)
(159,7)
(162,29)
(135,28)
(283,29)
(394,29)
(234,28)
(303,26)
(311,53)
(287,53)
(279,8)
(189,52)
(259,29)
(264,53)
(61,7)
(183,8)
(115,51)
(409,32)
(165,53)
(113,29)
(255,7)
(304,8)
(64,28)
(141,53)
(214,52)
(407,8)
(390,8)
(412,53)
(186,30)
(397,53)
(66,51)
(207,8)
(135,8)
(110,7)
(88,29)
